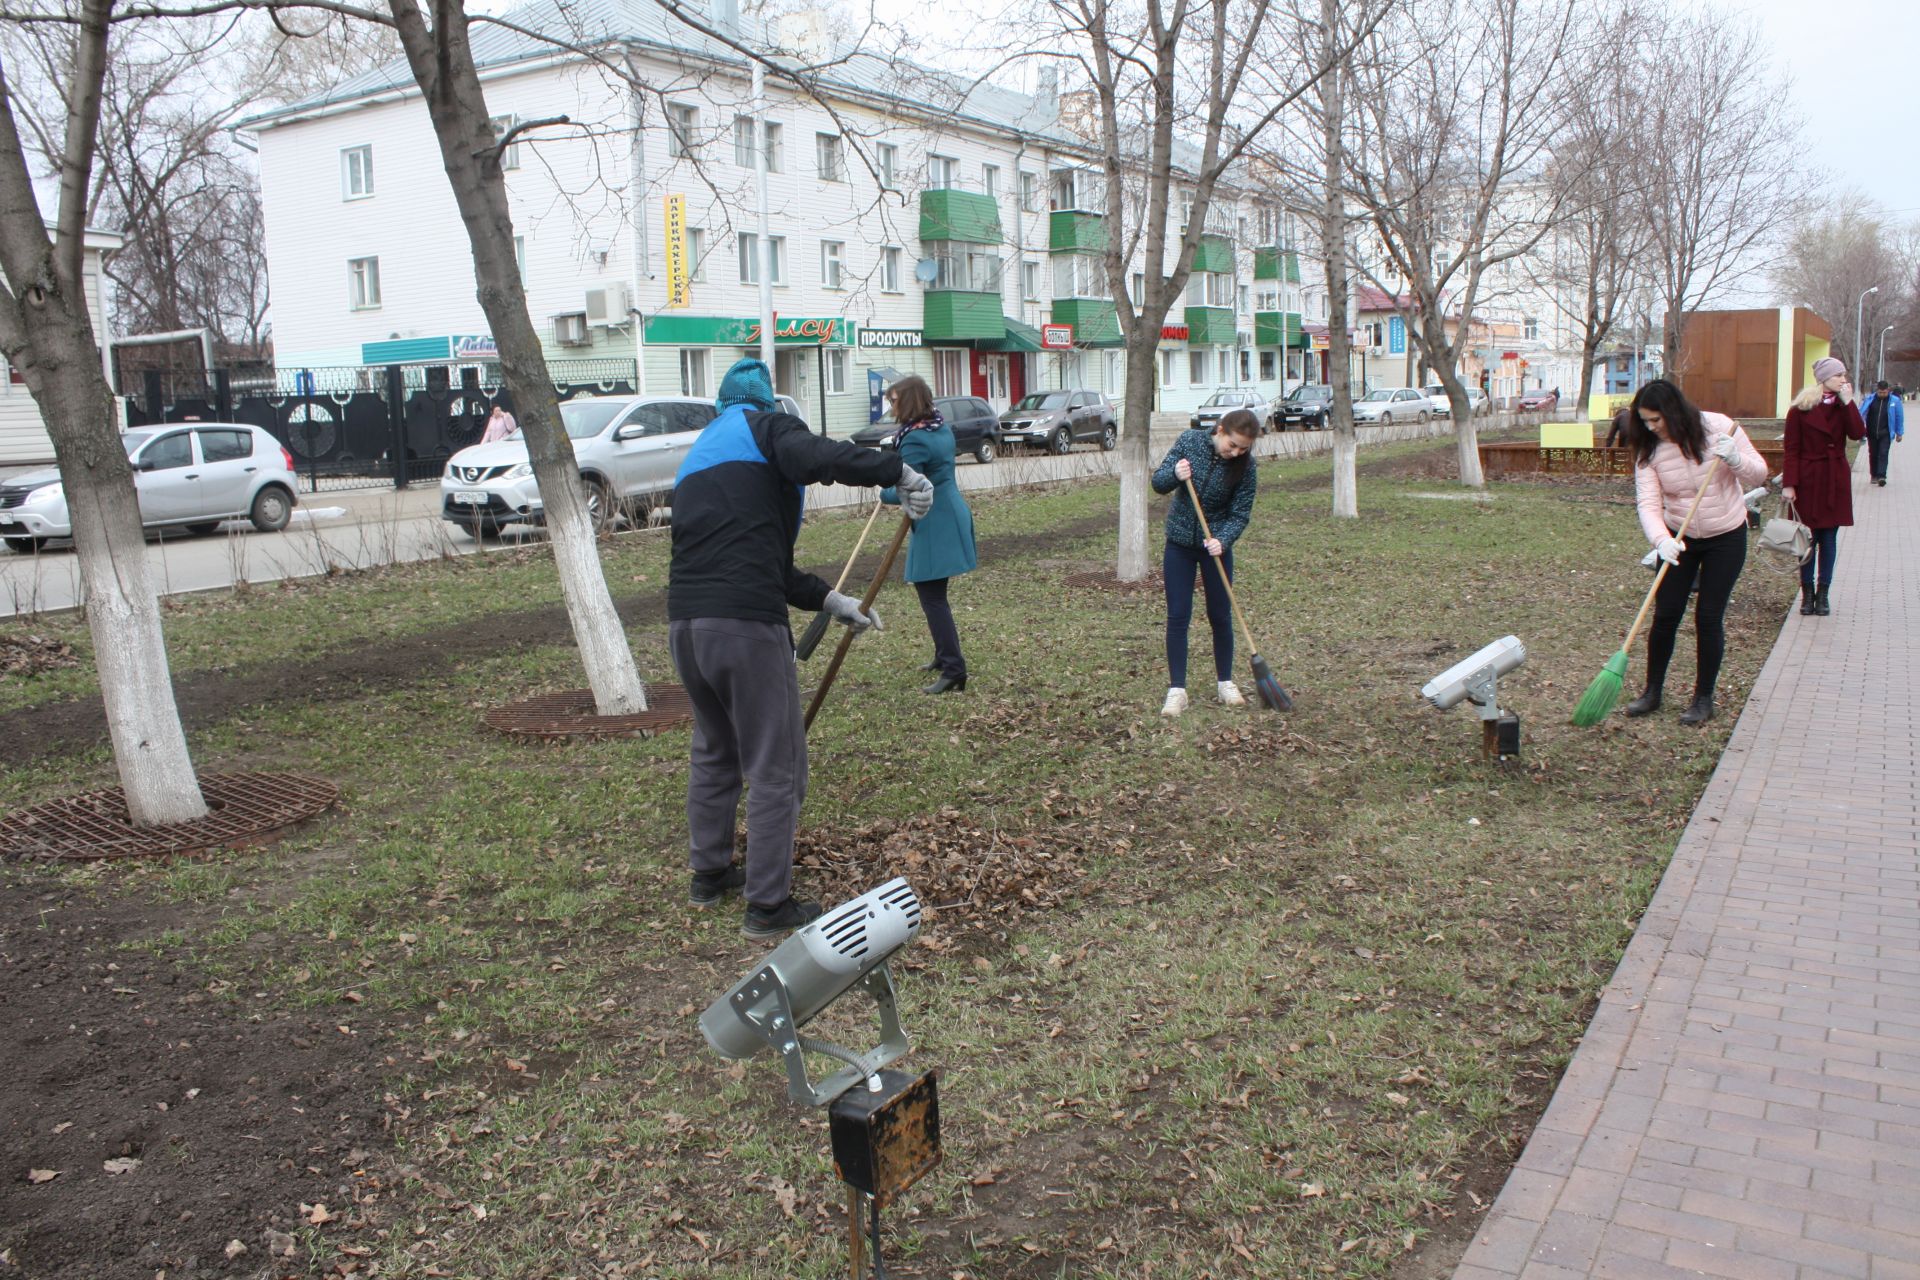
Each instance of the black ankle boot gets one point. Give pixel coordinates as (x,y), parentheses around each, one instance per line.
(1646,704)
(931,664)
(1699,711)
(947,684)
(1809,602)
(1820,605)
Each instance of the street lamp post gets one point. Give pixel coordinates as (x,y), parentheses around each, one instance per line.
(1880,367)
(1859,312)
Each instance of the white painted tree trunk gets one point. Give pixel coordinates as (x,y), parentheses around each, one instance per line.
(1346,484)
(1136,470)
(1467,440)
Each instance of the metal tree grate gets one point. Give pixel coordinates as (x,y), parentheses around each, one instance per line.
(571,715)
(244,808)
(1103,580)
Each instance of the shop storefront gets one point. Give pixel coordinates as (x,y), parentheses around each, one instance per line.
(813,360)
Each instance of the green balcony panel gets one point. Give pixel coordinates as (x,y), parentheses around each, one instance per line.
(1266,264)
(1290,263)
(1278,329)
(954,316)
(959,215)
(1075,232)
(1094,320)
(1210,326)
(1214,253)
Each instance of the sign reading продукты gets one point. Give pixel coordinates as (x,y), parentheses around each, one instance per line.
(893,339)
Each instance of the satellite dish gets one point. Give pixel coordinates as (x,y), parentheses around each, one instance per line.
(925,270)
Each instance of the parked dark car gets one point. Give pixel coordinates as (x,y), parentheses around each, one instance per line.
(976,428)
(1221,403)
(1057,419)
(1305,408)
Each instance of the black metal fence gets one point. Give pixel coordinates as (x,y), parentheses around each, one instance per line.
(362,427)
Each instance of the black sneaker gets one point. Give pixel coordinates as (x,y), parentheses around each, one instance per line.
(772,922)
(711,886)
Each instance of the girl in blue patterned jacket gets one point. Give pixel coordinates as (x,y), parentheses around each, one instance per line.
(1222,470)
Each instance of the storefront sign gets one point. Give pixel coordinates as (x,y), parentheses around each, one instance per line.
(1397,336)
(1056,337)
(725,331)
(678,294)
(441,350)
(893,339)
(1173,333)
(1322,342)
(475,347)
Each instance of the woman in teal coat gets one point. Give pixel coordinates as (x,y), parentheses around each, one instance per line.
(942,544)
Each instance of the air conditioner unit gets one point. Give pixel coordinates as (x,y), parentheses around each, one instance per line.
(570,330)
(607,304)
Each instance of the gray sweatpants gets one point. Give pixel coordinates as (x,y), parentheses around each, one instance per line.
(746,727)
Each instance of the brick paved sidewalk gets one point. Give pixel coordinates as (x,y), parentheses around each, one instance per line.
(1746,1102)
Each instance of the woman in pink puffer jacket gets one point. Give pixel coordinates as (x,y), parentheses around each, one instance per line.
(1673,445)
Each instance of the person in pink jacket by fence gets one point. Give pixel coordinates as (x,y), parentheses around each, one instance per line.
(1673,445)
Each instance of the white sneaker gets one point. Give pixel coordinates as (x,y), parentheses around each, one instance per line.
(1176,702)
(1230,694)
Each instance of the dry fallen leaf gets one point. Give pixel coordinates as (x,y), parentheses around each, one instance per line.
(63,1126)
(37,1176)
(125,1164)
(234,1249)
(1308,1190)
(783,1195)
(316,1214)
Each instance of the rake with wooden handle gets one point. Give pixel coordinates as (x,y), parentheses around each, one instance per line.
(810,639)
(866,604)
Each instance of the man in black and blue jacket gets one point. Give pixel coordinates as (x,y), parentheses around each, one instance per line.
(1886,419)
(737,502)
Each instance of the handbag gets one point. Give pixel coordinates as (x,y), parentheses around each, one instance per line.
(1784,536)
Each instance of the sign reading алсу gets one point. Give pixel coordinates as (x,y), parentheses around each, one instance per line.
(726,331)
(893,339)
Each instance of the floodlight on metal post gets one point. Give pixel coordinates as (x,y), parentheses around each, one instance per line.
(886,1134)
(1477,680)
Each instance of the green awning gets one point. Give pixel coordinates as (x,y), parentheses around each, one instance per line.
(1020,337)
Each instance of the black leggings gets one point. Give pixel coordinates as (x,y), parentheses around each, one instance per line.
(1178,565)
(1717,562)
(946,636)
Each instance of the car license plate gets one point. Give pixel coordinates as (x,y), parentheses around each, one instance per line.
(470,497)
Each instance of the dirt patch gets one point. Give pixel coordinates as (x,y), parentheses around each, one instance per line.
(221,1115)
(25,654)
(1103,580)
(571,714)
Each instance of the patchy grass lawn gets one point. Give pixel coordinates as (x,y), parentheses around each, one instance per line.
(1232,994)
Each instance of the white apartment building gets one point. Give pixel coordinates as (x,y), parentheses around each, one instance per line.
(23,432)
(920,225)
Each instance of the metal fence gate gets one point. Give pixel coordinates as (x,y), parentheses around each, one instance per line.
(360,427)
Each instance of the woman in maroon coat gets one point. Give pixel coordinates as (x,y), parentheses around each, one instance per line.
(1818,479)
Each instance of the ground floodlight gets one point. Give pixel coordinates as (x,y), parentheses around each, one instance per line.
(846,947)
(1476,680)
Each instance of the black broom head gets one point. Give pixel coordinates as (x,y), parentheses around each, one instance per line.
(1272,695)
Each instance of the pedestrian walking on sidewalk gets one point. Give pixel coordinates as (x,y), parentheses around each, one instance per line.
(1886,419)
(500,425)
(1674,444)
(1817,478)
(736,512)
(1220,465)
(942,541)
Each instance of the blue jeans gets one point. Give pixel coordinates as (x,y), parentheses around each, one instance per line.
(1826,545)
(1179,565)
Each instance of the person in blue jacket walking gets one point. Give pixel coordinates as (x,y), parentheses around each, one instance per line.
(1886,419)
(1222,469)
(942,547)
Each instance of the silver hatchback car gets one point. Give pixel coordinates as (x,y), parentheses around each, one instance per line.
(190,475)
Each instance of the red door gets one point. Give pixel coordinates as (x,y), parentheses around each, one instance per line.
(977,374)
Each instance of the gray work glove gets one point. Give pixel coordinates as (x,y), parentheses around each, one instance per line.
(846,610)
(916,492)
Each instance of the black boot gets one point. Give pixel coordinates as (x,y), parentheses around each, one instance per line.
(1646,704)
(1820,603)
(1809,602)
(1699,711)
(931,664)
(947,684)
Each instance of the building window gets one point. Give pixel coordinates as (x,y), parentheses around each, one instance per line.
(971,268)
(1532,329)
(828,158)
(510,154)
(886,156)
(1139,294)
(1246,365)
(1079,275)
(683,118)
(950,373)
(1267,299)
(1246,300)
(1030,280)
(1209,289)
(693,371)
(942,172)
(832,265)
(776,152)
(890,269)
(1113,372)
(363,279)
(520,259)
(1197,368)
(1267,364)
(750,258)
(356,173)
(1224,365)
(1029,192)
(1166,368)
(696,253)
(743,141)
(990,180)
(1186,209)
(836,371)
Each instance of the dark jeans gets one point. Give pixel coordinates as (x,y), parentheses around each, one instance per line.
(1879,443)
(1716,563)
(1179,565)
(946,636)
(1826,546)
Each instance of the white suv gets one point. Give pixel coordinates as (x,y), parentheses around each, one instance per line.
(628,449)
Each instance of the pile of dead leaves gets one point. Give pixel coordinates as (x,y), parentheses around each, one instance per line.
(966,875)
(22,654)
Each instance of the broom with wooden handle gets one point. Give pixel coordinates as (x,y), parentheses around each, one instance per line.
(810,639)
(1600,696)
(1271,694)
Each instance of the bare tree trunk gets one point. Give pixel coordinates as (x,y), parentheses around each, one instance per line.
(442,62)
(1333,244)
(47,335)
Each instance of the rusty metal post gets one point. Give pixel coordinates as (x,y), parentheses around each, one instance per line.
(856,1236)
